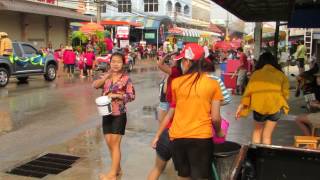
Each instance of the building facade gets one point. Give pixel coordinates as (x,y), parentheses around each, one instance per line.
(38,22)
(201,10)
(156,16)
(171,8)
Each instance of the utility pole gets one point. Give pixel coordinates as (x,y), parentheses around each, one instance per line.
(227,28)
(98,4)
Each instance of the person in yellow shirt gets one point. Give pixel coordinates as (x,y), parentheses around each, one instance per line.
(195,107)
(301,56)
(266,94)
(5,45)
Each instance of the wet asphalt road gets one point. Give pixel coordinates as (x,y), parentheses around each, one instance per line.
(61,116)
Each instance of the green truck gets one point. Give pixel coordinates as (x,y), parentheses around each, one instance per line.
(27,61)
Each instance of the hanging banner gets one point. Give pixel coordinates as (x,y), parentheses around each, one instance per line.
(124,43)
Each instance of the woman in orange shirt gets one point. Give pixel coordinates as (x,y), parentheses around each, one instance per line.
(195,107)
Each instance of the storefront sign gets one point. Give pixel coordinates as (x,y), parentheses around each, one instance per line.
(124,43)
(48,1)
(122,32)
(149,36)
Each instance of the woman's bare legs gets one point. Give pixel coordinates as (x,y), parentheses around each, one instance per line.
(113,142)
(303,122)
(257,132)
(267,132)
(158,168)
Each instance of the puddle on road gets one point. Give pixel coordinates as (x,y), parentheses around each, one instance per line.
(150,110)
(144,70)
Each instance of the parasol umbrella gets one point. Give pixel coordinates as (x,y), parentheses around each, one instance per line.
(223,45)
(91,27)
(236,43)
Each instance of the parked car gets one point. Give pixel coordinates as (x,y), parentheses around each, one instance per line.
(26,61)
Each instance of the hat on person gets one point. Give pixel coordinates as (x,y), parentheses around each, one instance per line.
(69,48)
(3,34)
(191,51)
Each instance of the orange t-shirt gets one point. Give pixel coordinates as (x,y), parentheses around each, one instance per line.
(192,117)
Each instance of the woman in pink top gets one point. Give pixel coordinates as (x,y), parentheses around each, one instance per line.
(69,59)
(118,86)
(89,60)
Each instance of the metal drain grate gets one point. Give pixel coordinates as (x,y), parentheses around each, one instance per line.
(44,165)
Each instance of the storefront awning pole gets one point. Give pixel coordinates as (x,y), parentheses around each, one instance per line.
(257,39)
(157,39)
(276,40)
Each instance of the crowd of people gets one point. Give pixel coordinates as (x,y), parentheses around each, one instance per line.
(68,59)
(190,102)
(191,97)
(189,109)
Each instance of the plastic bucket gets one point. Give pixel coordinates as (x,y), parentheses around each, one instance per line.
(224,128)
(224,156)
(104,105)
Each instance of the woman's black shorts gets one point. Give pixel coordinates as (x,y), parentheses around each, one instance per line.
(163,148)
(262,118)
(300,62)
(193,157)
(70,68)
(88,67)
(114,124)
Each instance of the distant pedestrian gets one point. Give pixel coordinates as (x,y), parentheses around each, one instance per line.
(301,56)
(81,62)
(266,95)
(141,51)
(180,44)
(160,53)
(69,59)
(109,44)
(59,57)
(305,121)
(118,86)
(89,58)
(242,71)
(5,45)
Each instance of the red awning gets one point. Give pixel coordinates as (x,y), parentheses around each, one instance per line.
(223,45)
(91,27)
(215,28)
(175,30)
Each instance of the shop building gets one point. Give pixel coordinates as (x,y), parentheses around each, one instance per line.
(38,23)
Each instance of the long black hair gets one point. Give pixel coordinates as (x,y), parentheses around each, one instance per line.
(267,58)
(199,67)
(120,55)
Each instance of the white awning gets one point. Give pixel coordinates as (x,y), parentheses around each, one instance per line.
(190,32)
(198,33)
